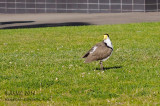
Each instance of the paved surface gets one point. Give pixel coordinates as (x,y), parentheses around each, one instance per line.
(8,21)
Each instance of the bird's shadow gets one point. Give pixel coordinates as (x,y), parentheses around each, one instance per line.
(108,68)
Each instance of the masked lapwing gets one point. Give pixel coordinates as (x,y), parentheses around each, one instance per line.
(100,52)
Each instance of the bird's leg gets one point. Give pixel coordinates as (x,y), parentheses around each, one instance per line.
(101,65)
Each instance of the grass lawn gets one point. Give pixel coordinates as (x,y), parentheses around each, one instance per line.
(44,66)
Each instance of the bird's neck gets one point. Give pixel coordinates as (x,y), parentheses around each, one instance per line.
(108,43)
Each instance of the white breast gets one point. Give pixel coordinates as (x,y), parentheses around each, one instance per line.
(109,43)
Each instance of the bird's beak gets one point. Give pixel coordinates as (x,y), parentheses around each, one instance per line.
(105,37)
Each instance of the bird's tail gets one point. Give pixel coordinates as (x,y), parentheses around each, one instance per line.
(85,55)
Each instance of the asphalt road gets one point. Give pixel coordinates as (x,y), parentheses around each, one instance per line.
(11,21)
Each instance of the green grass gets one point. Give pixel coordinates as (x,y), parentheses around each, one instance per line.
(47,61)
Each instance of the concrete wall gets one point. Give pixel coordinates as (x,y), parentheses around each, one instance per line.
(78,6)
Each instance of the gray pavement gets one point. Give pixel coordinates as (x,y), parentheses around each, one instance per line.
(9,21)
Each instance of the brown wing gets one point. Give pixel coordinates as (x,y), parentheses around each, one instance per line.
(100,53)
(91,50)
(88,52)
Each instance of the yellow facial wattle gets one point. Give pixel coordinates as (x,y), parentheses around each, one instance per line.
(105,36)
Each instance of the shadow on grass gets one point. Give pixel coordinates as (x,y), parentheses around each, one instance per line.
(45,25)
(15,22)
(108,68)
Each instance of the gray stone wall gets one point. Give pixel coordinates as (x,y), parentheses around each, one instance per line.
(78,6)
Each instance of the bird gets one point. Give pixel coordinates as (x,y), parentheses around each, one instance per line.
(100,52)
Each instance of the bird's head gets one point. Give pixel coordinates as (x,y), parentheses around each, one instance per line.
(107,40)
(106,36)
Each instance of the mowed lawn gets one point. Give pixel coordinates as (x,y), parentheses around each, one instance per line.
(43,66)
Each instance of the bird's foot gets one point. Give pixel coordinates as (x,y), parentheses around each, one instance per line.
(102,68)
(101,65)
